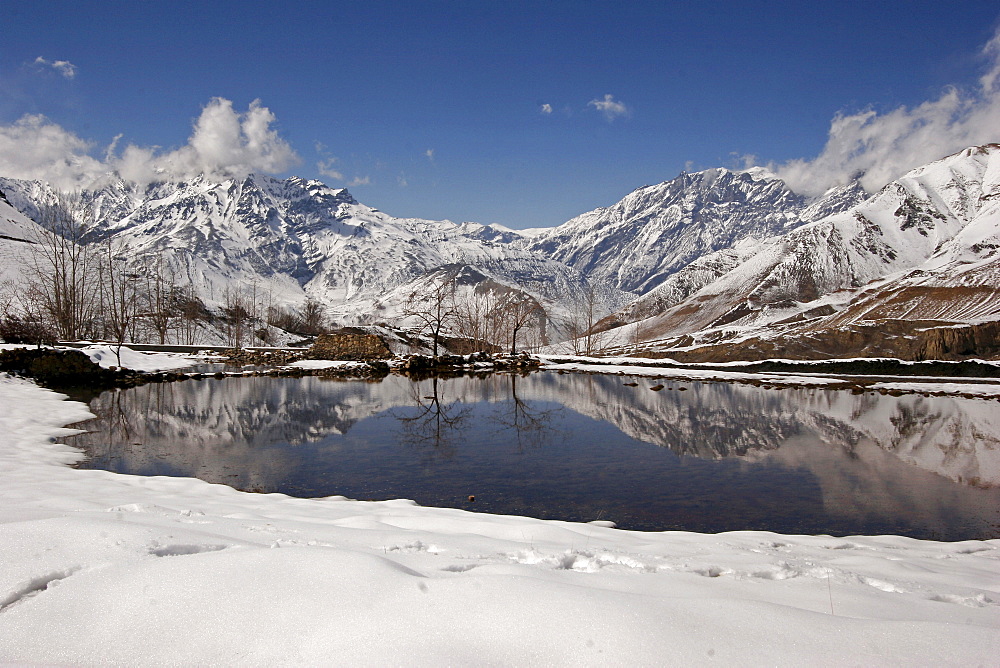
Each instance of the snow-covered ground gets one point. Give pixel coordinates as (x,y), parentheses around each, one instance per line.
(107,356)
(103,568)
(313,365)
(110,355)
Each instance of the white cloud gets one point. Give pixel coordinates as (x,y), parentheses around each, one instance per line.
(63,67)
(223,144)
(546,109)
(430,154)
(882,147)
(402,181)
(325,167)
(35,148)
(743,161)
(227,143)
(610,107)
(360,181)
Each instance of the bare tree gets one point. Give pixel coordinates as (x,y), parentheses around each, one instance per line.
(639,335)
(433,308)
(192,313)
(516,311)
(583,318)
(314,320)
(258,299)
(285,318)
(19,322)
(63,282)
(236,312)
(475,318)
(121,295)
(8,296)
(161,307)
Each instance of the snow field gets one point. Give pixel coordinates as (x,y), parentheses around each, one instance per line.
(99,568)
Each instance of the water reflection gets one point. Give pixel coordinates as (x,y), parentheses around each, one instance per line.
(578,447)
(433,419)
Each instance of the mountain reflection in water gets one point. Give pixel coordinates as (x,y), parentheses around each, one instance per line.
(694,456)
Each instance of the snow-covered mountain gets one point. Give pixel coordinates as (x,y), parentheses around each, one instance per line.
(924,248)
(715,257)
(656,231)
(17,234)
(295,238)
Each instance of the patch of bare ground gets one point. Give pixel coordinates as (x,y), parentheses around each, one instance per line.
(914,340)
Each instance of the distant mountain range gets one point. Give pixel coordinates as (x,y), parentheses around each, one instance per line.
(870,279)
(710,265)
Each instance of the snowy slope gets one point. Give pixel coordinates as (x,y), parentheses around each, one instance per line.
(17,234)
(924,247)
(658,230)
(289,239)
(14,225)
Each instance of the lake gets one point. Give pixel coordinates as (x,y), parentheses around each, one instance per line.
(694,456)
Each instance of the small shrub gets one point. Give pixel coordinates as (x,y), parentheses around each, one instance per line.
(18,330)
(265,336)
(56,368)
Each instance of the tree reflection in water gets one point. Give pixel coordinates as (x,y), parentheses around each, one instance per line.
(531,424)
(436,419)
(726,456)
(436,422)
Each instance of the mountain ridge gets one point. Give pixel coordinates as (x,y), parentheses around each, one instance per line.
(708,258)
(925,247)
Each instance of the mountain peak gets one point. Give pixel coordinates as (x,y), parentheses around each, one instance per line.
(758,173)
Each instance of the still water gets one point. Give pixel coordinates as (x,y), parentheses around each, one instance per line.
(694,456)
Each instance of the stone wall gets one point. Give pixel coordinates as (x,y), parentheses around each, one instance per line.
(349,345)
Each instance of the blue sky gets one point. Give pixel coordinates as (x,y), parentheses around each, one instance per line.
(438,109)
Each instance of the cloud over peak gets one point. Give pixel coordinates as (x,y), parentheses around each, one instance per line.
(884,146)
(224,143)
(35,148)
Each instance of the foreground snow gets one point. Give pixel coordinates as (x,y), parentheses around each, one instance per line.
(100,568)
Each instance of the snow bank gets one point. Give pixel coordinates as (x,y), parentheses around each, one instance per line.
(99,568)
(108,356)
(326,364)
